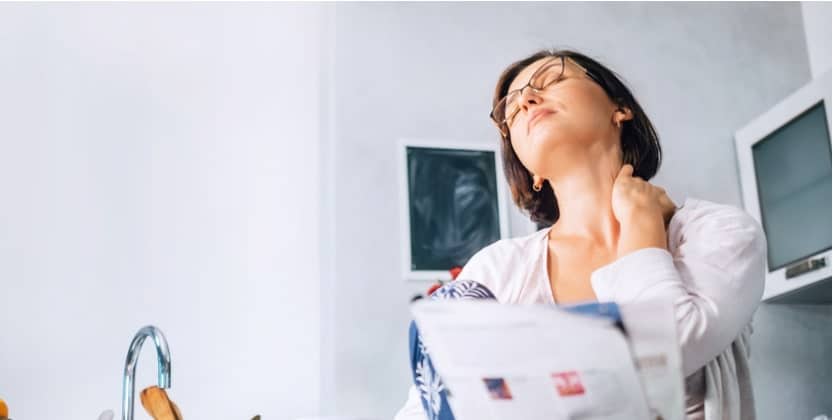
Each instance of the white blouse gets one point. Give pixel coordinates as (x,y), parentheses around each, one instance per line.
(713,271)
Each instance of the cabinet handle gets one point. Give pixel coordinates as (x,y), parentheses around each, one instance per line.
(805,267)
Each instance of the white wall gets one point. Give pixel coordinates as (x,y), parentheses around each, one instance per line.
(790,361)
(159,164)
(817,16)
(427,71)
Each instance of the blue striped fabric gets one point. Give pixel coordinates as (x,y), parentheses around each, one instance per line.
(432,391)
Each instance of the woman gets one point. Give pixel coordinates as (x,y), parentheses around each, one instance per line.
(577,152)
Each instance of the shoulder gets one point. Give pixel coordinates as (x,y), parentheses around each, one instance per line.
(696,210)
(703,216)
(495,265)
(508,249)
(706,227)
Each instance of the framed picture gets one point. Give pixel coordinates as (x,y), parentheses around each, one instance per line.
(452,203)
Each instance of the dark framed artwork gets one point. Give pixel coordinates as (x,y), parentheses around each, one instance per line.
(452,203)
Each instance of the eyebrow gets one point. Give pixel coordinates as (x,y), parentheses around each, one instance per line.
(546,64)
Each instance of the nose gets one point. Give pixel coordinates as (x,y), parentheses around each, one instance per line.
(530,97)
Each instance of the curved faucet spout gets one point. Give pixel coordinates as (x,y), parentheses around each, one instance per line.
(163,360)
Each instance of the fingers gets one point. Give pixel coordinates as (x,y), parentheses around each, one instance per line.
(625,173)
(627,170)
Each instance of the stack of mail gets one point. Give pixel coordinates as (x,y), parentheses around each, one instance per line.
(530,362)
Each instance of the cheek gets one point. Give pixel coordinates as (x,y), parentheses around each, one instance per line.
(521,149)
(531,153)
(585,103)
(597,108)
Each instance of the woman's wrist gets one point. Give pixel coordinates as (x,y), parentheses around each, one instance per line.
(647,231)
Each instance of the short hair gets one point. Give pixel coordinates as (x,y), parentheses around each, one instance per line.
(639,141)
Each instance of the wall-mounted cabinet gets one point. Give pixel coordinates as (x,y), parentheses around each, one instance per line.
(784,157)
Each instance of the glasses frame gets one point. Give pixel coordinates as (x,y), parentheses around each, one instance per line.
(503,126)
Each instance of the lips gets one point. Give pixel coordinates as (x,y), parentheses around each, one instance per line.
(537,115)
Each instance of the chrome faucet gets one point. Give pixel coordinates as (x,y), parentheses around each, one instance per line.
(163,361)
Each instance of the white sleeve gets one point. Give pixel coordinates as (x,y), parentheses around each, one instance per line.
(475,269)
(489,267)
(715,279)
(412,410)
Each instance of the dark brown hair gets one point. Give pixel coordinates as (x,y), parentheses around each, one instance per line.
(639,141)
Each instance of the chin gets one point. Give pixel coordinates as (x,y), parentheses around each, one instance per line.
(544,142)
(547,152)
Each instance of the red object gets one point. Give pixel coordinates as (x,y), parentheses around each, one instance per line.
(454,273)
(568,383)
(434,287)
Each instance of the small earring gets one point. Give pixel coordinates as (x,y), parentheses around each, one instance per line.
(618,123)
(537,183)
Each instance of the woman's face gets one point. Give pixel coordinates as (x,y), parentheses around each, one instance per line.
(571,117)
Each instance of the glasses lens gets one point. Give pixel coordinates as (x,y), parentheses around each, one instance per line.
(500,112)
(548,74)
(510,107)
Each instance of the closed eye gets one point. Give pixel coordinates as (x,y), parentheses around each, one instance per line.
(554,81)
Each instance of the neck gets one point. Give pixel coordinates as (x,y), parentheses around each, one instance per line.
(584,201)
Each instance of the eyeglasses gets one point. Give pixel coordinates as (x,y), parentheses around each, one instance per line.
(551,72)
